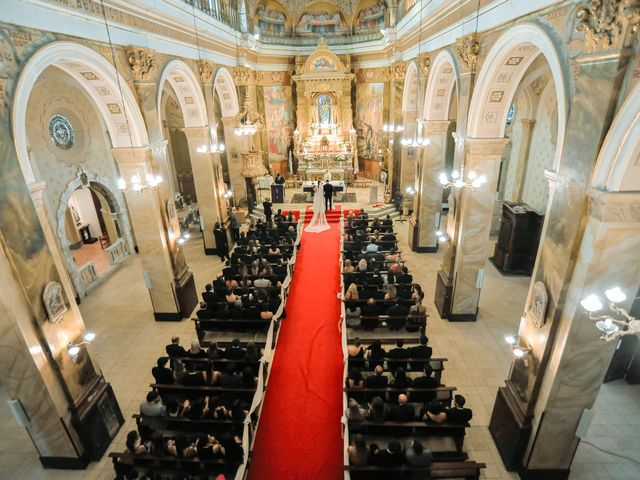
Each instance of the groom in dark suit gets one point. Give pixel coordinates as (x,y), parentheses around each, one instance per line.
(328,195)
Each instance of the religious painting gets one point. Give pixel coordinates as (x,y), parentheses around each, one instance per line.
(323,63)
(368,118)
(324,110)
(539,304)
(370,18)
(278,108)
(271,18)
(54,301)
(322,18)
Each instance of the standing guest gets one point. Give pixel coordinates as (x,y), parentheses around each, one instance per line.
(459,414)
(279,179)
(235,224)
(222,247)
(161,373)
(278,217)
(268,209)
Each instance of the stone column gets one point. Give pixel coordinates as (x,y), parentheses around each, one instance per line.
(168,279)
(204,177)
(235,146)
(408,163)
(581,251)
(428,200)
(522,157)
(608,257)
(474,213)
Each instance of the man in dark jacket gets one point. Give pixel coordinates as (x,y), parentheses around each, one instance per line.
(222,247)
(328,195)
(161,373)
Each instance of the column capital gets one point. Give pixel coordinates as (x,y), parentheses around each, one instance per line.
(196,133)
(485,146)
(614,207)
(434,127)
(131,156)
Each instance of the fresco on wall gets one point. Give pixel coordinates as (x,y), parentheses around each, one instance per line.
(371,17)
(278,107)
(271,18)
(322,19)
(323,63)
(368,117)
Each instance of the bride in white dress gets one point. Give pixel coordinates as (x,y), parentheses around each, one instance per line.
(319,220)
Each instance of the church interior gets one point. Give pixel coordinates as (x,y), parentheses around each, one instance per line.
(470,309)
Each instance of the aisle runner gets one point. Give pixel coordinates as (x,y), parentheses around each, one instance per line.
(299,434)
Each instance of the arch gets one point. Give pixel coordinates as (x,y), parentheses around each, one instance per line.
(225,89)
(270,23)
(98,78)
(502,72)
(617,168)
(444,77)
(106,188)
(373,15)
(188,93)
(330,6)
(410,89)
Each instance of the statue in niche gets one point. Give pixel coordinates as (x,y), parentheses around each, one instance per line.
(324,110)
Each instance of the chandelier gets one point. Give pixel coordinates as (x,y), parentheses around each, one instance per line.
(610,326)
(151,182)
(391,128)
(248,121)
(458,180)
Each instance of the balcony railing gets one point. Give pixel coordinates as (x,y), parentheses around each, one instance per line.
(223,13)
(312,41)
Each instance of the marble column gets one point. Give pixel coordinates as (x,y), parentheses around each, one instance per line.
(204,177)
(427,208)
(236,144)
(474,211)
(168,279)
(560,348)
(521,159)
(409,156)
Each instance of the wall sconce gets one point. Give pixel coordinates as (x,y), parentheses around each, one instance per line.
(458,180)
(214,148)
(183,238)
(410,190)
(518,350)
(611,327)
(441,236)
(74,348)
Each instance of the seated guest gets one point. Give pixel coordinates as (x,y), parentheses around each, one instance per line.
(377,410)
(195,351)
(274,250)
(390,292)
(356,353)
(420,351)
(208,447)
(389,457)
(354,378)
(134,444)
(402,412)
(358,452)
(208,296)
(404,276)
(181,447)
(174,349)
(251,354)
(397,316)
(230,378)
(233,299)
(161,373)
(435,413)
(417,456)
(233,451)
(262,282)
(458,414)
(219,284)
(187,374)
(372,247)
(249,380)
(376,354)
(176,410)
(355,413)
(398,354)
(352,314)
(375,279)
(213,351)
(347,267)
(415,322)
(400,379)
(426,380)
(370,312)
(392,256)
(352,292)
(377,380)
(278,217)
(234,352)
(153,406)
(362,265)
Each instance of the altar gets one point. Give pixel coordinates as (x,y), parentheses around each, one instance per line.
(339,188)
(324,137)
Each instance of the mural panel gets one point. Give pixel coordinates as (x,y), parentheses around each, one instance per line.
(322,19)
(278,107)
(371,17)
(368,117)
(271,18)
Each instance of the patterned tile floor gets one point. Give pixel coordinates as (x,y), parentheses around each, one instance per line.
(129,341)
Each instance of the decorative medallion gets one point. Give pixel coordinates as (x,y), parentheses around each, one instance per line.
(538,306)
(61,132)
(54,302)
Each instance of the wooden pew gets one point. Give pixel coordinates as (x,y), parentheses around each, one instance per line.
(469,470)
(400,429)
(390,394)
(212,426)
(169,465)
(234,324)
(191,391)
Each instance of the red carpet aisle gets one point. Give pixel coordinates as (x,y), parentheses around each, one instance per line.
(299,433)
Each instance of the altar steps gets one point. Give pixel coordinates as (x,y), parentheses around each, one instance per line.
(380,211)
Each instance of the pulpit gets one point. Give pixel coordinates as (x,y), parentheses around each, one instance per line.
(277,193)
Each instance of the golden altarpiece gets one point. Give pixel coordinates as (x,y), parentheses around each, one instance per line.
(324,137)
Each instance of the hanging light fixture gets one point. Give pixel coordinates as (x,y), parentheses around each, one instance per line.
(74,348)
(138,183)
(618,322)
(458,180)
(518,350)
(248,122)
